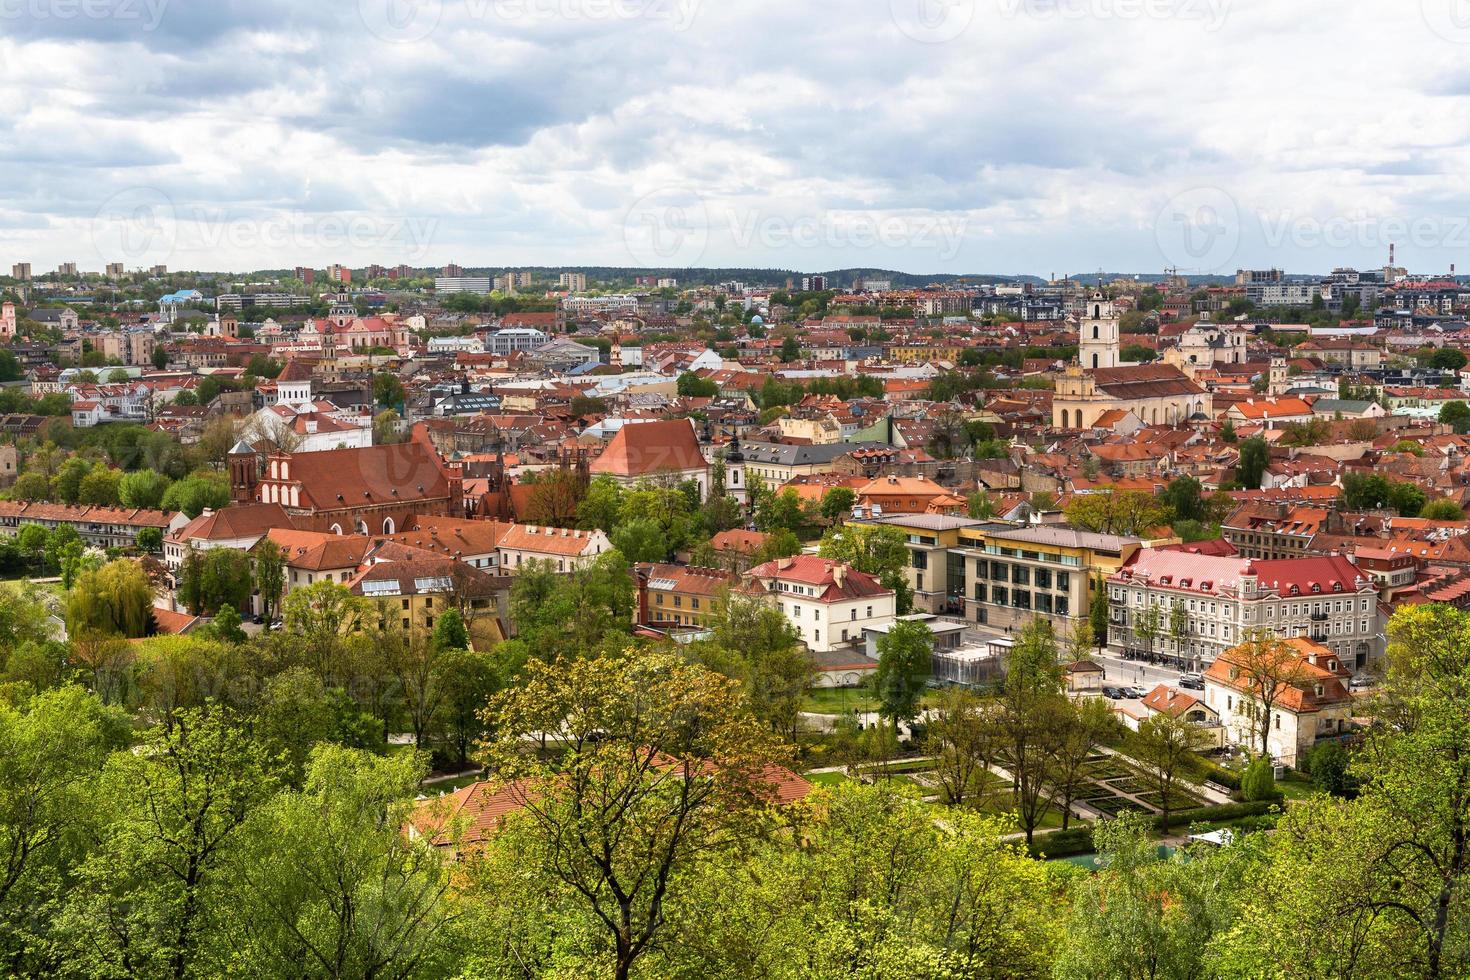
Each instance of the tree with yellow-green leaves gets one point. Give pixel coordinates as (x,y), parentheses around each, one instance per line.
(656,769)
(1122,512)
(115,599)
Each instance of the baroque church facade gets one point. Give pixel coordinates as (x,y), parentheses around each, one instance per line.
(1101,382)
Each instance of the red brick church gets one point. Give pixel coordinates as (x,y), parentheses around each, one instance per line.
(371,490)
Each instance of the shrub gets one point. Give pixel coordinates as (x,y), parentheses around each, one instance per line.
(1217,773)
(1258,783)
(1062,843)
(1211,814)
(1327,764)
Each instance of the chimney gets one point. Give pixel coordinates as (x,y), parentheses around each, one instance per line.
(839,574)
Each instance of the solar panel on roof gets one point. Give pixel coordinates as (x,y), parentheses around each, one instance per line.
(438,583)
(382,587)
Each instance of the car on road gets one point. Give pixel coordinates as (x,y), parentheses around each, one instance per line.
(1114,693)
(1192,682)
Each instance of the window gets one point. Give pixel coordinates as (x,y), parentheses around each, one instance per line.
(870,612)
(920,559)
(979,591)
(999,595)
(854,614)
(1043,578)
(429,622)
(1020,575)
(817,636)
(405,624)
(428,602)
(405,603)
(1064,581)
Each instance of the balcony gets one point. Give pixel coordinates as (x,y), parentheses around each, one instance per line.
(1320,617)
(1319,637)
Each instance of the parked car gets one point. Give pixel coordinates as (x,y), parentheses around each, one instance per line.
(1360,683)
(1134,692)
(1113,693)
(1192,682)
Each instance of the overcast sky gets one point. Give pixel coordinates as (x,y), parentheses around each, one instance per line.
(1000,136)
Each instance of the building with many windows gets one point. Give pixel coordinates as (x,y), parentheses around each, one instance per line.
(936,570)
(1015,574)
(1189,608)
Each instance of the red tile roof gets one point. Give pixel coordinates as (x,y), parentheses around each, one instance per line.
(646,448)
(835,580)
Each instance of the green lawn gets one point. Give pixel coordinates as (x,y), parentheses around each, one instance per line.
(837,700)
(1297,789)
(827,778)
(16,584)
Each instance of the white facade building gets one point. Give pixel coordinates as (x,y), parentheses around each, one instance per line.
(829,603)
(1206,604)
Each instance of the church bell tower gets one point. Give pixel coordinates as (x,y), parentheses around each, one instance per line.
(1098,345)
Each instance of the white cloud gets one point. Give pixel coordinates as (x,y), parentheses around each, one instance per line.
(1039,136)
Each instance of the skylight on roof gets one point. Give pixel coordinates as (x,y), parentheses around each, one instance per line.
(383,587)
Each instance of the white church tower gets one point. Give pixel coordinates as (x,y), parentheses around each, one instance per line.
(1099,345)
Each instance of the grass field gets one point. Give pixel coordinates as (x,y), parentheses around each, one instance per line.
(17,584)
(837,700)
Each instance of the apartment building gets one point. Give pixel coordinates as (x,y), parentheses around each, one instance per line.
(445,285)
(1189,608)
(575,282)
(99,527)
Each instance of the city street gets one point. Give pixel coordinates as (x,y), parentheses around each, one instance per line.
(1120,671)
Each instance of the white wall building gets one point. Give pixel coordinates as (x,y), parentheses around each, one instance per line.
(1220,600)
(829,603)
